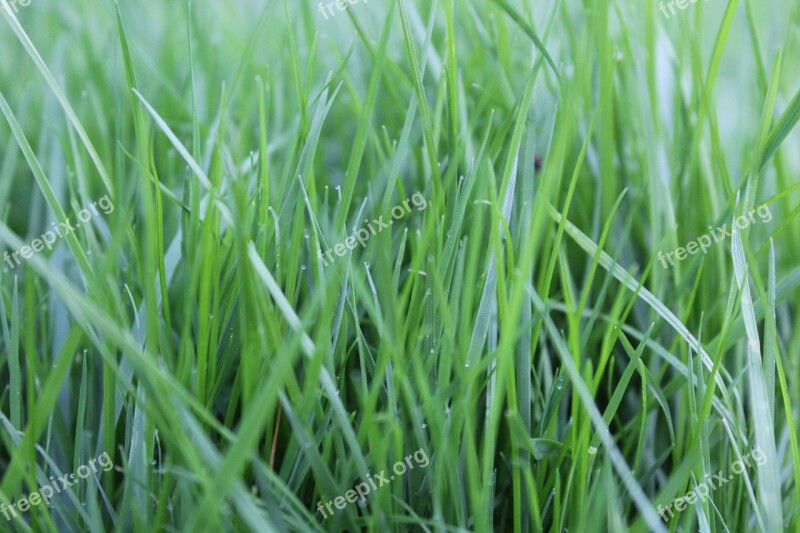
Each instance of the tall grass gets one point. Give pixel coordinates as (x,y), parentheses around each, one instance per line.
(519,330)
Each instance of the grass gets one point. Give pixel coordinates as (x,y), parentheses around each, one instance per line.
(520,330)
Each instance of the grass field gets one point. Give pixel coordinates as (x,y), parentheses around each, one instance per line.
(400,265)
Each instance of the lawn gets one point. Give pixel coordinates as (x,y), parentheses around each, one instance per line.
(399,265)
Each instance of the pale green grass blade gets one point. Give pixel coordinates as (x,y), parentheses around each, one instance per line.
(769,483)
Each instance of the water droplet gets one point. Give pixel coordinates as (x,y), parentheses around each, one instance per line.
(302,267)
